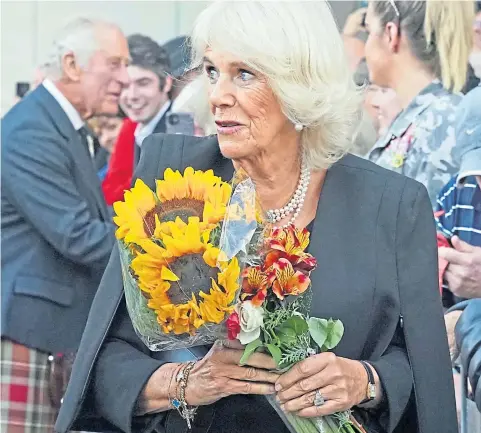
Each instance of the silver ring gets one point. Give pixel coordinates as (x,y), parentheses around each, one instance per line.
(319,399)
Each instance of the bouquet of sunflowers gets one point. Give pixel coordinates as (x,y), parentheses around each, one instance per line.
(182,249)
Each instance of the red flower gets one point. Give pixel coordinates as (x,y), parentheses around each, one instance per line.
(290,244)
(288,281)
(233,326)
(254,285)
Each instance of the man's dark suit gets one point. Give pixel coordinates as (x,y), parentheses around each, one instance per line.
(374,239)
(161,127)
(56,231)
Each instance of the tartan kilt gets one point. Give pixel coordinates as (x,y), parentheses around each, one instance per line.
(26,405)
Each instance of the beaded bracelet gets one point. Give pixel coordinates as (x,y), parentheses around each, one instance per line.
(185,411)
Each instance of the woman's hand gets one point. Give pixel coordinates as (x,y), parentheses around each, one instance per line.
(355,23)
(342,382)
(219,375)
(215,376)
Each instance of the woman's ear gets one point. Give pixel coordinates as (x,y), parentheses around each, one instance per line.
(168,84)
(393,36)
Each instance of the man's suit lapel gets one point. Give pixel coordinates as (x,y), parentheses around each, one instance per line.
(162,123)
(160,127)
(75,146)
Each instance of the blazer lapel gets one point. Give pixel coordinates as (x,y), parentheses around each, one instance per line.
(343,276)
(75,146)
(162,123)
(86,165)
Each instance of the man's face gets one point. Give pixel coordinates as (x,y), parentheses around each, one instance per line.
(102,81)
(142,99)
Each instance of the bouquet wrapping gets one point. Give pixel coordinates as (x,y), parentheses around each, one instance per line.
(182,250)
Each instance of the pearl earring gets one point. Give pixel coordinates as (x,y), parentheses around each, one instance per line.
(299,127)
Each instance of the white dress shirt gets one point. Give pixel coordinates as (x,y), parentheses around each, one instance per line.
(69,110)
(143,131)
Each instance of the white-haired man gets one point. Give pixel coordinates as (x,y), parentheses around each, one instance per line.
(57,234)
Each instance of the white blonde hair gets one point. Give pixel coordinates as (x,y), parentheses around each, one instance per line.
(297,47)
(80,37)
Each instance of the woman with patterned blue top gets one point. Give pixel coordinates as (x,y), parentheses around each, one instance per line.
(420,49)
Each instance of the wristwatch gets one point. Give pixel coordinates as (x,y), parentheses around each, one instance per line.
(371,391)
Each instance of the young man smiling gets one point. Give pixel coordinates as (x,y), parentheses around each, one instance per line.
(146,103)
(146,99)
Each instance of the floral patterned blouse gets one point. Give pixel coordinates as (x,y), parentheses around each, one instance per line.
(420,141)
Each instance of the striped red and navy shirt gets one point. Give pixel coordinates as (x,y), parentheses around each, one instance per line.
(458,211)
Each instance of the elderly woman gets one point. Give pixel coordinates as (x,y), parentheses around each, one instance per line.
(284,103)
(420,49)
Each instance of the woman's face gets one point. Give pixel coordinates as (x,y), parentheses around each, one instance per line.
(108,131)
(385,104)
(247,114)
(376,49)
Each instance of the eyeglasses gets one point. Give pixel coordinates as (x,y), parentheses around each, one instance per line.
(395,8)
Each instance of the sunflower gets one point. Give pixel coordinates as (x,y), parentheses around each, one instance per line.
(132,213)
(193,194)
(196,193)
(179,274)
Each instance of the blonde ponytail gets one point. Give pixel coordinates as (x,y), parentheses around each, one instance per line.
(439,34)
(448,25)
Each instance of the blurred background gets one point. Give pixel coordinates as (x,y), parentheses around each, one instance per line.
(28,28)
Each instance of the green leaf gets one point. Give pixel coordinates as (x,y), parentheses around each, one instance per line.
(275,352)
(249,350)
(297,323)
(318,328)
(286,335)
(334,335)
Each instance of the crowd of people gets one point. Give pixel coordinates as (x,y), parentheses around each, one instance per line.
(399,87)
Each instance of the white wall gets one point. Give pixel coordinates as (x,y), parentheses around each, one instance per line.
(28,28)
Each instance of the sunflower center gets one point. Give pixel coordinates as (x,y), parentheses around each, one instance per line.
(171,209)
(195,276)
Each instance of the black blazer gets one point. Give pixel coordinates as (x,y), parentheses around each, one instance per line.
(374,239)
(57,234)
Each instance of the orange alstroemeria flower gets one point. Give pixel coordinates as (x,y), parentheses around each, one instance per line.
(288,281)
(254,285)
(290,243)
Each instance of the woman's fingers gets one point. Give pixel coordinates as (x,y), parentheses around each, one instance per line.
(261,360)
(307,400)
(242,387)
(328,408)
(251,374)
(304,369)
(258,360)
(233,344)
(312,383)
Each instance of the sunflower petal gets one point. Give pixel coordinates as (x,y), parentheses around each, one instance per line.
(167,274)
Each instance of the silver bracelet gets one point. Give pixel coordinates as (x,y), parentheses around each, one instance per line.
(185,411)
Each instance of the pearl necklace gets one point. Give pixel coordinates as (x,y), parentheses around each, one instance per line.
(295,204)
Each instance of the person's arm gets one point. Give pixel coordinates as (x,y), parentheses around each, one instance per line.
(395,380)
(37,180)
(425,341)
(468,338)
(123,368)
